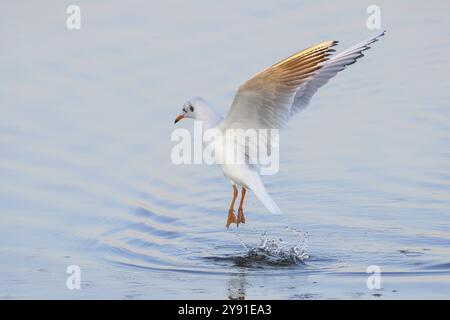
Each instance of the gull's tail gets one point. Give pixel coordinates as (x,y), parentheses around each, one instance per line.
(263,196)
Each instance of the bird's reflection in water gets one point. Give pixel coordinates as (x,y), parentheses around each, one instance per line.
(237,285)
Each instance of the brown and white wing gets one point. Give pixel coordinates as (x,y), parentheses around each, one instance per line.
(272,96)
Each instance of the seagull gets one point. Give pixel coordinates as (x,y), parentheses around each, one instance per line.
(267,101)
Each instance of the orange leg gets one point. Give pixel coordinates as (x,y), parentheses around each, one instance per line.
(241,217)
(231,216)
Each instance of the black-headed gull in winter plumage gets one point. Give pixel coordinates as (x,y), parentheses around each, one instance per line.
(267,101)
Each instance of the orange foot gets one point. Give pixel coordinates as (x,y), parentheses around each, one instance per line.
(240,217)
(231,218)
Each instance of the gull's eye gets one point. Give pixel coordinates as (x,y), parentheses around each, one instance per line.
(192,108)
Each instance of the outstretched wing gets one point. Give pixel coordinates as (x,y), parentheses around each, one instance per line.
(271,97)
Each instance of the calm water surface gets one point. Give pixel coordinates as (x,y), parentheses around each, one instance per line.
(87,180)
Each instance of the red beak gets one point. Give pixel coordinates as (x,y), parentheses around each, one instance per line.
(181,116)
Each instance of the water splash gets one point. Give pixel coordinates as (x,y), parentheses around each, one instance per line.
(273,252)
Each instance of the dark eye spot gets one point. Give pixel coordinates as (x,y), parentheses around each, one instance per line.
(192,108)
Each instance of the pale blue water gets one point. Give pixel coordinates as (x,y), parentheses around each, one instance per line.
(86,176)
